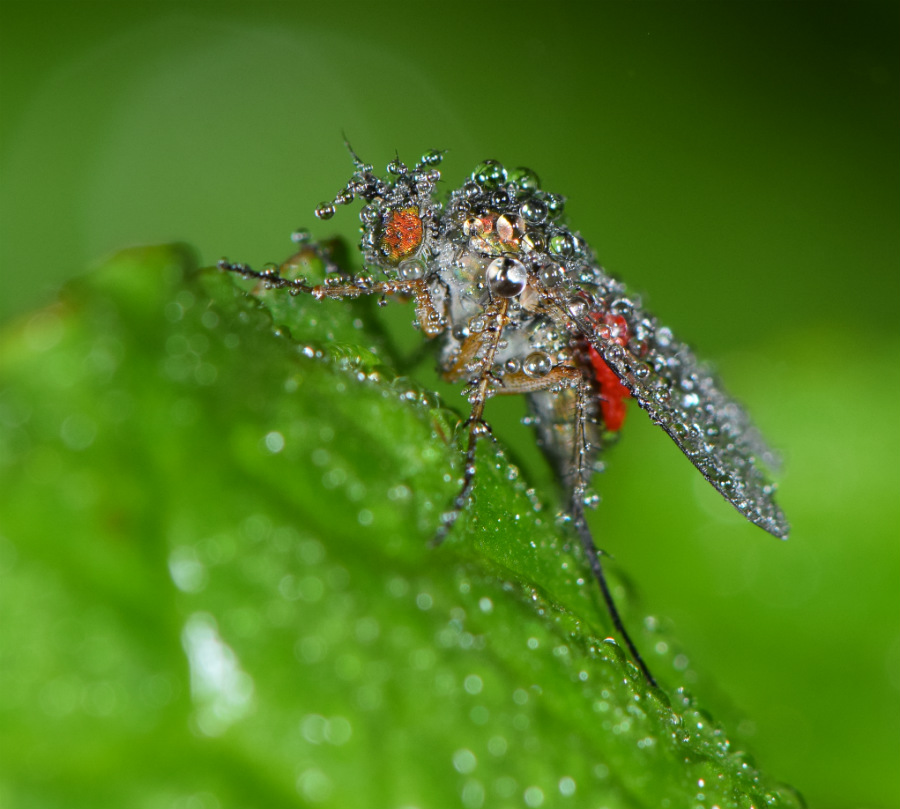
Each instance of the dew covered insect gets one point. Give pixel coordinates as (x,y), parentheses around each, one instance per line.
(523,307)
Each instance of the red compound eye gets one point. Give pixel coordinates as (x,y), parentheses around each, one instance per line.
(402,235)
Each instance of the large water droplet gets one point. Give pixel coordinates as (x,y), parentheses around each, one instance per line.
(533,210)
(411,270)
(537,364)
(489,174)
(524,179)
(507,276)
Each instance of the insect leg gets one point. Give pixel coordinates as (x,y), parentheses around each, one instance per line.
(269,277)
(480,390)
(348,287)
(584,532)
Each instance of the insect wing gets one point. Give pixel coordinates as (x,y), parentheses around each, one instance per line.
(683,397)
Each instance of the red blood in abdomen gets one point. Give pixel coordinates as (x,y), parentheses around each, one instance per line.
(613,394)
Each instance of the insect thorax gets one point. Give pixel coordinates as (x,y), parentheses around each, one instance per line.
(500,236)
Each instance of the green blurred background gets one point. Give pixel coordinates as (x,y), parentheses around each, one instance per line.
(737,163)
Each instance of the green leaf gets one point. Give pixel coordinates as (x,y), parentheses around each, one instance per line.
(218,588)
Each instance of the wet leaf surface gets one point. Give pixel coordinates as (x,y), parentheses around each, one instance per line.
(218,588)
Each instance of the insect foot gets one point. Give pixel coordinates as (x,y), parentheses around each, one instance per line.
(522,306)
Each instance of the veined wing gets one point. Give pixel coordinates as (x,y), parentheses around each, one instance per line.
(683,396)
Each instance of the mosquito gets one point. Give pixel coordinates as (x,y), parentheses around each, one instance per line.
(523,307)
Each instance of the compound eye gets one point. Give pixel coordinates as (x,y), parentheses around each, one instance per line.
(401,234)
(506,276)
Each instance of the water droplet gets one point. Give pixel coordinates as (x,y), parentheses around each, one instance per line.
(411,270)
(325,211)
(274,441)
(477,324)
(187,571)
(473,684)
(499,199)
(534,796)
(561,244)
(338,730)
(507,277)
(489,174)
(433,157)
(312,728)
(497,746)
(533,210)
(534,241)
(314,785)
(397,167)
(220,690)
(567,786)
(464,761)
(472,794)
(555,204)
(524,179)
(551,274)
(537,364)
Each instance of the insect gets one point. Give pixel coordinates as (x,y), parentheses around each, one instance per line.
(523,307)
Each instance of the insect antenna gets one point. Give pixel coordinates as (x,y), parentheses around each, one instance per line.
(587,542)
(357,160)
